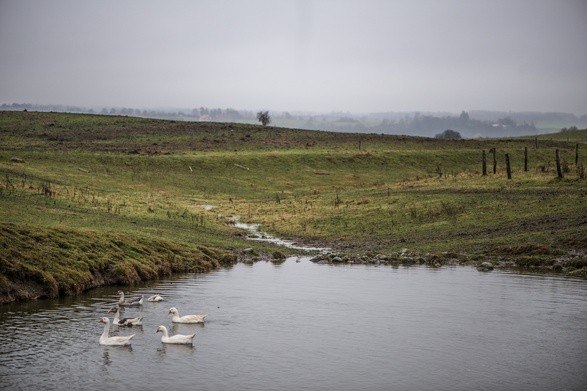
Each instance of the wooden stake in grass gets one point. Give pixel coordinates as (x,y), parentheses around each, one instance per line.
(525,158)
(493,151)
(507,165)
(559,172)
(484,163)
(577,154)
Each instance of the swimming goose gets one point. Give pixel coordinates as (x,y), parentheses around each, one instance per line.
(129,302)
(155,298)
(112,341)
(186,318)
(177,338)
(138,321)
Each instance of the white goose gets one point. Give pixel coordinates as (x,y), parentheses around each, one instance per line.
(138,321)
(105,339)
(129,302)
(177,338)
(186,318)
(155,298)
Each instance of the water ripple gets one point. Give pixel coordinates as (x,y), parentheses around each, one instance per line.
(304,326)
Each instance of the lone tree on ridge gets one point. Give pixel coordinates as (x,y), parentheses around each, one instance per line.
(263,117)
(449,134)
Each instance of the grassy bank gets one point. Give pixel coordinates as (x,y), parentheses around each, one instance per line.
(154,184)
(40,262)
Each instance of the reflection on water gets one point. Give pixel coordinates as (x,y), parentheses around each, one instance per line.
(317,327)
(174,349)
(107,360)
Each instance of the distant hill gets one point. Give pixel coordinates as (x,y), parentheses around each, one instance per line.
(473,124)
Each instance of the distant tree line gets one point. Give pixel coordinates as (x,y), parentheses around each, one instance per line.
(202,113)
(429,125)
(570,129)
(421,125)
(482,124)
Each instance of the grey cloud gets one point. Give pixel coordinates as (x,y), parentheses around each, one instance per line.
(297,55)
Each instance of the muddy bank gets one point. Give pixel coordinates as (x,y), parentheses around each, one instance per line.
(574,263)
(522,258)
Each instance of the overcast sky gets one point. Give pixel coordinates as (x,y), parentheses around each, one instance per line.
(305,55)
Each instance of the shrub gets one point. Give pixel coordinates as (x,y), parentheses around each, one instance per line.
(449,134)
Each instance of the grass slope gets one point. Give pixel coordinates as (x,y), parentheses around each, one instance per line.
(145,183)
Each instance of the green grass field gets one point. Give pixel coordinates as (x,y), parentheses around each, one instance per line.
(144,183)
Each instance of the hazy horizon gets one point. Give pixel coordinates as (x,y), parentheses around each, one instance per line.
(298,56)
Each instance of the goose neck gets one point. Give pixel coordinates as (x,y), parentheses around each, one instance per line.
(106,331)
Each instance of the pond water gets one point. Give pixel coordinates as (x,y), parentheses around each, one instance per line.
(303,326)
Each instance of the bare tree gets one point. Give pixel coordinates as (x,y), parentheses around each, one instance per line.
(263,117)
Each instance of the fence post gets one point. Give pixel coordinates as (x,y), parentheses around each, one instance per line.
(507,165)
(576,154)
(484,163)
(559,172)
(492,150)
(525,158)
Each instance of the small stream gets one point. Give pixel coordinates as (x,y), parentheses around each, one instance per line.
(257,235)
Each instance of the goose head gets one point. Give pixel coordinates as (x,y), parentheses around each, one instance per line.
(161,329)
(173,311)
(104,320)
(113,309)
